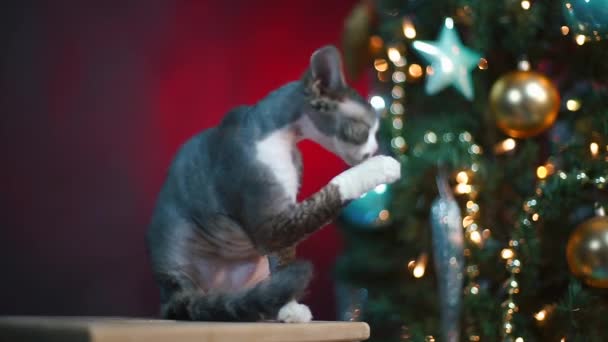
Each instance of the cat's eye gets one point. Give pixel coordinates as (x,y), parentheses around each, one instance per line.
(354,132)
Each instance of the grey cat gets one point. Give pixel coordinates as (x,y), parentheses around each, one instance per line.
(228,205)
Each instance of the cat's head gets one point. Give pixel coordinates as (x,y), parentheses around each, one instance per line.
(341,120)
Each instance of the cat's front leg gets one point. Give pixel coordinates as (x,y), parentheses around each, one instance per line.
(297,221)
(279,233)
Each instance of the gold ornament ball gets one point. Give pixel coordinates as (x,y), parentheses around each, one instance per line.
(525,103)
(587,252)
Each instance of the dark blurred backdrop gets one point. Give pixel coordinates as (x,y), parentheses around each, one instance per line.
(95,97)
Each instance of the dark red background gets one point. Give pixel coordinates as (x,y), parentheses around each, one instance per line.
(95,97)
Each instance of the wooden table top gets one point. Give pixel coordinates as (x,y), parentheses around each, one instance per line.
(115,329)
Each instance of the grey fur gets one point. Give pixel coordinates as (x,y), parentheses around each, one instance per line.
(219,203)
(261,302)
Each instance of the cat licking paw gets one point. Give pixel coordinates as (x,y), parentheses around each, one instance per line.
(257,145)
(294,312)
(362,178)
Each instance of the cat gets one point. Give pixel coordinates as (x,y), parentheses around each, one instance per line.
(228,208)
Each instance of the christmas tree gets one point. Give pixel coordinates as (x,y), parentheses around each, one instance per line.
(498,112)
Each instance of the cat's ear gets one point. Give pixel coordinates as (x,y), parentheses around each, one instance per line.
(326,69)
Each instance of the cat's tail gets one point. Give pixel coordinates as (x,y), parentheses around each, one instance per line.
(262,301)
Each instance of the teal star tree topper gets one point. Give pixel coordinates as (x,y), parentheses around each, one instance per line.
(451,61)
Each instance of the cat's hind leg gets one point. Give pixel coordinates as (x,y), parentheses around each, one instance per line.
(292,312)
(262,301)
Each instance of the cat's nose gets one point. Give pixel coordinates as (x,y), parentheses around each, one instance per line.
(369,149)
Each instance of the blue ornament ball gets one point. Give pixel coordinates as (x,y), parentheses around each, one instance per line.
(587,17)
(371,210)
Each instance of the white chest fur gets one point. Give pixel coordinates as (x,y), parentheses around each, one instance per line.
(275,151)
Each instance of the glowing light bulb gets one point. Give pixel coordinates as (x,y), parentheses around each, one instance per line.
(507,253)
(415,70)
(463,188)
(393,54)
(594,148)
(398,77)
(462,177)
(580,39)
(449,23)
(508,144)
(541,315)
(397,108)
(397,123)
(398,142)
(420,266)
(505,146)
(397,92)
(430,137)
(476,237)
(409,31)
(573,105)
(541,172)
(525,4)
(418,271)
(377,102)
(380,64)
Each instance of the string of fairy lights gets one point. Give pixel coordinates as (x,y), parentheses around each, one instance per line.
(475,235)
(391,66)
(512,254)
(530,217)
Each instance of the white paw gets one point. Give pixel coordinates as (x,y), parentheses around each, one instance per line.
(294,312)
(391,169)
(362,178)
